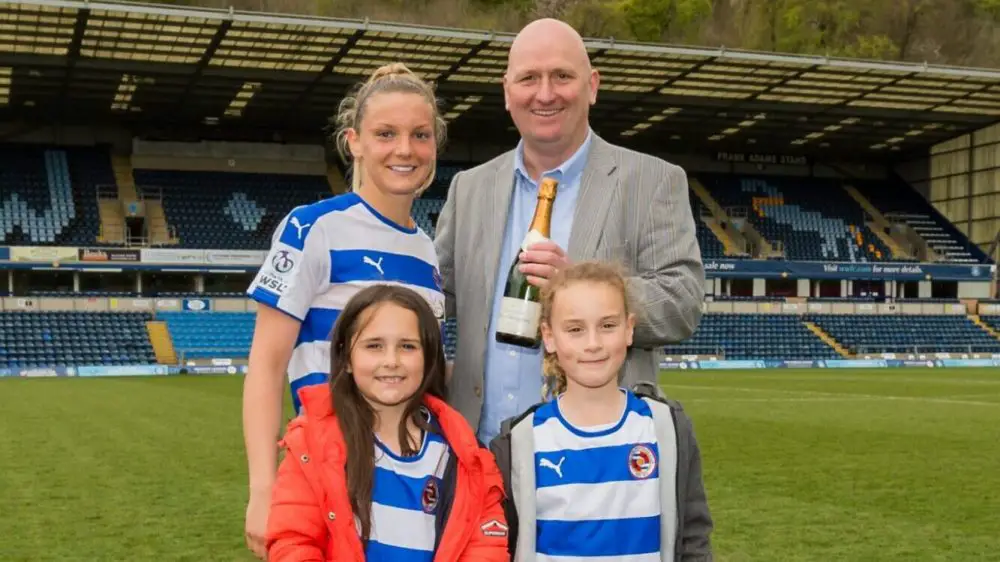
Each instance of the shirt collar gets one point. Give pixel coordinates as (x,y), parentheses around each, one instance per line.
(567,172)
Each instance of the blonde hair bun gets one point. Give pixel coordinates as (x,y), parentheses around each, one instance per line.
(391,69)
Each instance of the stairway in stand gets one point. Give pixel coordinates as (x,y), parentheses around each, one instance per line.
(828,339)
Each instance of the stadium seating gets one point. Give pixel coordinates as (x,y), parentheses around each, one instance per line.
(753,336)
(232,211)
(861,333)
(89,167)
(711,246)
(814,217)
(425,212)
(40,339)
(48,195)
(200,335)
(445,172)
(450,337)
(897,201)
(991,320)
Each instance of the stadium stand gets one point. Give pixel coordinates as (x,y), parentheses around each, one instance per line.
(40,339)
(861,333)
(199,335)
(425,212)
(50,198)
(450,337)
(229,210)
(48,195)
(754,336)
(813,217)
(711,246)
(900,203)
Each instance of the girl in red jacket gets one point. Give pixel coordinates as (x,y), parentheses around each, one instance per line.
(378,467)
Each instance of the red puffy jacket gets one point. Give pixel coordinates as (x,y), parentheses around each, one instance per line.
(311,517)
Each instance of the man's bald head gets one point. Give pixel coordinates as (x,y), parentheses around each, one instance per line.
(548,32)
(548,89)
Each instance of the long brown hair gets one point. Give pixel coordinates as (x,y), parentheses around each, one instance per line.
(354,413)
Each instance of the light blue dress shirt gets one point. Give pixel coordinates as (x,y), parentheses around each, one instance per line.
(513,374)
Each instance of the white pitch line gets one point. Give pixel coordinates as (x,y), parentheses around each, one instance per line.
(990,395)
(817,399)
(840,395)
(829,375)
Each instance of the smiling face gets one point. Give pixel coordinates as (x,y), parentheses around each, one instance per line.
(549,86)
(589,330)
(394,145)
(387,357)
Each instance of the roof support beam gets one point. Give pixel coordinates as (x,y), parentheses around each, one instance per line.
(326,71)
(73,53)
(206,57)
(861,95)
(653,93)
(474,51)
(327,68)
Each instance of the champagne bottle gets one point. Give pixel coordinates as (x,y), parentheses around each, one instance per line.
(521,308)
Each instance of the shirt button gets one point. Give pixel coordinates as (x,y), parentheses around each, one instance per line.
(512,353)
(510,397)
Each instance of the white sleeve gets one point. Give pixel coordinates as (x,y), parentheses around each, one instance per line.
(296,267)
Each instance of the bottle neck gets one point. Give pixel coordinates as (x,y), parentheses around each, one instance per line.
(542,221)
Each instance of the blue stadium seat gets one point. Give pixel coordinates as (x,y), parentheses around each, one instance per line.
(814,217)
(753,336)
(229,210)
(863,333)
(49,339)
(450,337)
(201,335)
(48,196)
(711,246)
(897,201)
(425,212)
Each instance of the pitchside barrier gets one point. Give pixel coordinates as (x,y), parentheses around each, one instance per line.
(123,371)
(208,303)
(151,370)
(931,360)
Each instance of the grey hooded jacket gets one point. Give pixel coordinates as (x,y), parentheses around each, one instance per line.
(685,520)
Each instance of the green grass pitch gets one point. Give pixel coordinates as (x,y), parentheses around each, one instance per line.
(818,465)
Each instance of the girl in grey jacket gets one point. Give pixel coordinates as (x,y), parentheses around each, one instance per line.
(599,471)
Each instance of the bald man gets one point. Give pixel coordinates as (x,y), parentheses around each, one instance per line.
(612,204)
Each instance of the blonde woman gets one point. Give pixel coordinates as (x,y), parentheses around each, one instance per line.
(325,252)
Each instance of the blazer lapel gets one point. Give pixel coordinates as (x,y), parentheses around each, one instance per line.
(597,188)
(496,220)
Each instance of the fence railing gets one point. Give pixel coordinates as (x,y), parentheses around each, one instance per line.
(925,349)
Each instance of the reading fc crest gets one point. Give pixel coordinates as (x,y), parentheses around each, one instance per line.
(429,497)
(641,462)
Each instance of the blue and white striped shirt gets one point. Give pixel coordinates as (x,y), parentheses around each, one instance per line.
(597,488)
(405,499)
(321,255)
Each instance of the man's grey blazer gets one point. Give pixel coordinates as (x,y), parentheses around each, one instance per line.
(633,209)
